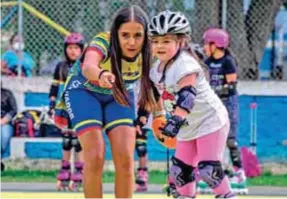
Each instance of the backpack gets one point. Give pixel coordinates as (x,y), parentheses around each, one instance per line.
(26,122)
(250,163)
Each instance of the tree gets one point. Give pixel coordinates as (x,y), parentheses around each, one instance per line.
(249,32)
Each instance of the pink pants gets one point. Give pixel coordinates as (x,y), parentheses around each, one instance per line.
(206,148)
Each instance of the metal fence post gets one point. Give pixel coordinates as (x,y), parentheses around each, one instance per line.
(20,35)
(224,14)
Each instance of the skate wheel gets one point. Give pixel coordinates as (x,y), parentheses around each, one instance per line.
(243,192)
(72,186)
(79,186)
(59,186)
(141,189)
(75,186)
(62,186)
(165,188)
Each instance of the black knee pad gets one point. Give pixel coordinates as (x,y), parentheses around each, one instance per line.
(211,172)
(234,152)
(181,172)
(231,143)
(141,143)
(143,135)
(76,144)
(67,142)
(141,148)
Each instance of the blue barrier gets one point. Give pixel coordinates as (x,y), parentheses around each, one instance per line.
(272,131)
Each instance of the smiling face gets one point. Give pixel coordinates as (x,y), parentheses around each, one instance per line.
(131,38)
(165,47)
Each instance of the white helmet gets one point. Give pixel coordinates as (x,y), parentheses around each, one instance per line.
(169,22)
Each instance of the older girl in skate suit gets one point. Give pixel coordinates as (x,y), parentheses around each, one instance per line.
(197,117)
(223,78)
(99,96)
(73,48)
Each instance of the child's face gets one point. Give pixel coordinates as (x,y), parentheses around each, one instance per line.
(131,38)
(73,51)
(165,47)
(209,49)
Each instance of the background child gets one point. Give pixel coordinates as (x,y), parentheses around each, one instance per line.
(73,48)
(141,147)
(223,79)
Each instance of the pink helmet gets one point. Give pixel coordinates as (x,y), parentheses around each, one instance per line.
(75,38)
(217,36)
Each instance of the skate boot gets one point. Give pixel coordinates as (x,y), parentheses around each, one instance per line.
(77,177)
(201,186)
(63,177)
(141,180)
(238,182)
(228,195)
(170,188)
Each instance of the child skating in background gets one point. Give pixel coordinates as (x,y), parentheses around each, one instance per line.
(197,117)
(223,79)
(141,148)
(73,48)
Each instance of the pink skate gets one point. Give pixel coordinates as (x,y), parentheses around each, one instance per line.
(63,177)
(141,180)
(77,177)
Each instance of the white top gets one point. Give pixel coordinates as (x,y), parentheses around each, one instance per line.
(208,114)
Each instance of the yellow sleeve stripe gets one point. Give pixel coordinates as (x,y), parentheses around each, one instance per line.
(102,41)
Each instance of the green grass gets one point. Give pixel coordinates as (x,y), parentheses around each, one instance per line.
(267,179)
(155,177)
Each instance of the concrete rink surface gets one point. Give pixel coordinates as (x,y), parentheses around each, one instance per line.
(48,190)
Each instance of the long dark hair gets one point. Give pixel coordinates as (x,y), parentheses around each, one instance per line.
(66,65)
(147,100)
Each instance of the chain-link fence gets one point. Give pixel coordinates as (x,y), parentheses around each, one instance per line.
(249,22)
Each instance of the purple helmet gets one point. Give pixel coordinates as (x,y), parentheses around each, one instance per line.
(217,36)
(75,38)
